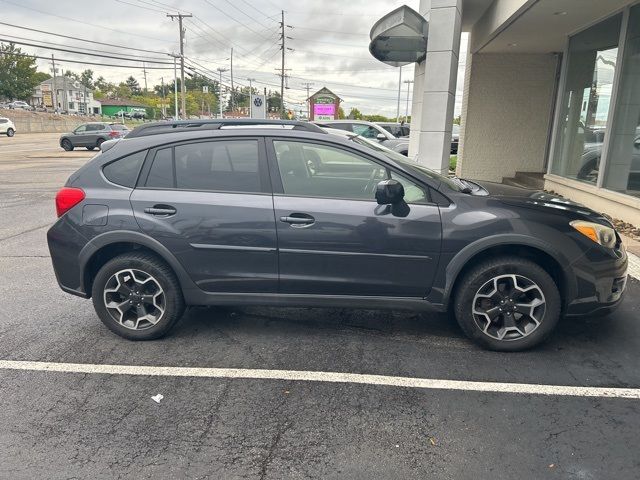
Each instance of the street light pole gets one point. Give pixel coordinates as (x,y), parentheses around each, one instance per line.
(250,93)
(399,89)
(406,112)
(220,70)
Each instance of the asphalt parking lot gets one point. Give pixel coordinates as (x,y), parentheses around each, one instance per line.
(104,424)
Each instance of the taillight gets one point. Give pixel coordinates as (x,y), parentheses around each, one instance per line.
(114,134)
(67,198)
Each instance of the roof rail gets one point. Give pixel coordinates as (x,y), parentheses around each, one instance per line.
(175,126)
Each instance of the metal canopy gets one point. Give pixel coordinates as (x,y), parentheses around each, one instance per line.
(400,37)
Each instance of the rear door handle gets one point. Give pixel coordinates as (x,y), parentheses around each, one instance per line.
(161,210)
(298,219)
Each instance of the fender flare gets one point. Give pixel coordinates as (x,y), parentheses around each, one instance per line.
(462,258)
(119,236)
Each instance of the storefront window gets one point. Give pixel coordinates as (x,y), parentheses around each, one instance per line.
(585,102)
(623,158)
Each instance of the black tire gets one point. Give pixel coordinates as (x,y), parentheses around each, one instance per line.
(586,172)
(10,132)
(478,277)
(66,144)
(90,148)
(162,273)
(99,142)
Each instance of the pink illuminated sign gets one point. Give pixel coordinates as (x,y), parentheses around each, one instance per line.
(324,109)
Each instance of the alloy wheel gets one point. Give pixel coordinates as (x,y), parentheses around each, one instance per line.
(134,299)
(508,307)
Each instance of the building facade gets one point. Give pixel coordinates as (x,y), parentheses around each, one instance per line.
(66,95)
(551,89)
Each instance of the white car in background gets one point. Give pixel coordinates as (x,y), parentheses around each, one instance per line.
(7,127)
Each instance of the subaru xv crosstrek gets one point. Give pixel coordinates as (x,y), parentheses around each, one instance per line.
(284,213)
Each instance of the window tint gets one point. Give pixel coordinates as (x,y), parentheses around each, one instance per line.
(3,120)
(339,126)
(366,131)
(161,172)
(316,170)
(125,171)
(80,129)
(230,166)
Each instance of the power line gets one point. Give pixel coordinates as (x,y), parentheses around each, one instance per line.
(82,62)
(136,58)
(83,22)
(77,52)
(234,19)
(81,39)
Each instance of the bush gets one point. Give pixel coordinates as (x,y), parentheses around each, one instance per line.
(453,161)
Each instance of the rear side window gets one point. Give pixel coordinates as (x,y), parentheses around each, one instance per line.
(161,171)
(125,170)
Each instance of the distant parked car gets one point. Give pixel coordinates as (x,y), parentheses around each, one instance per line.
(138,115)
(398,130)
(19,105)
(92,135)
(369,130)
(455,138)
(7,127)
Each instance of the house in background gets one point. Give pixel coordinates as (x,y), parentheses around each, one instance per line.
(67,95)
(112,108)
(551,93)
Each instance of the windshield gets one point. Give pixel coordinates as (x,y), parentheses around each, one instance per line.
(404,161)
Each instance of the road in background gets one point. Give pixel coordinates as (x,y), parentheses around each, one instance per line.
(62,425)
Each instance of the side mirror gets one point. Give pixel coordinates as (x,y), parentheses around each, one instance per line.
(389,192)
(381,137)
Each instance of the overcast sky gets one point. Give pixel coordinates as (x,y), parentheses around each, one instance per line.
(329,41)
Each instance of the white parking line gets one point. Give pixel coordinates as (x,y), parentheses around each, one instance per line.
(335,377)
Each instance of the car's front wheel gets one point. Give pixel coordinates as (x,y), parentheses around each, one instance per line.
(507,304)
(66,144)
(10,132)
(137,296)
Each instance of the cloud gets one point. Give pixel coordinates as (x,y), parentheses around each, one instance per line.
(329,41)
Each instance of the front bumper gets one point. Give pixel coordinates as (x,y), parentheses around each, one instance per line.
(601,280)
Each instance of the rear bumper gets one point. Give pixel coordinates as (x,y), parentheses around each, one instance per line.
(601,280)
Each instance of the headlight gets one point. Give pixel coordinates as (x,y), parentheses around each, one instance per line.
(605,236)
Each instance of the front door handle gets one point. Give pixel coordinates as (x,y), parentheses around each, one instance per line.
(161,210)
(300,219)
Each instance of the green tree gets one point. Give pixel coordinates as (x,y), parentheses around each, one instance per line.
(133,85)
(17,73)
(41,77)
(86,78)
(355,114)
(341,115)
(73,75)
(273,101)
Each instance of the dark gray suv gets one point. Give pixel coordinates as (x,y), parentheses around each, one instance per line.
(282,213)
(92,135)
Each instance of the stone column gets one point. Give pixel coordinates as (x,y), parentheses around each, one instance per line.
(435,85)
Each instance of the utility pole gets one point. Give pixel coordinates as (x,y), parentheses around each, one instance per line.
(175,86)
(220,70)
(399,88)
(183,89)
(144,71)
(282,47)
(406,112)
(232,91)
(250,93)
(164,109)
(53,89)
(308,86)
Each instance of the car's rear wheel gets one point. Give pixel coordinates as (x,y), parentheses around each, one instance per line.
(10,132)
(99,142)
(137,296)
(66,144)
(507,304)
(90,148)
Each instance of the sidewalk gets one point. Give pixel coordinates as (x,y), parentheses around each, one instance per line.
(633,252)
